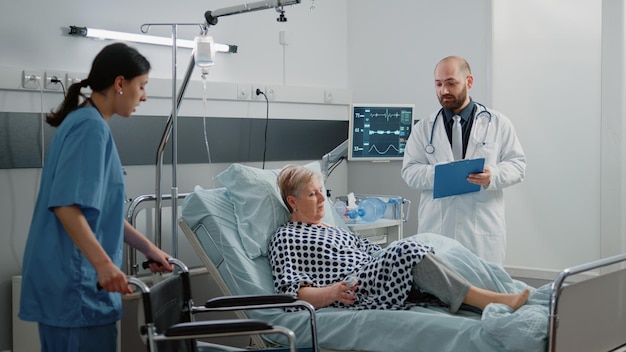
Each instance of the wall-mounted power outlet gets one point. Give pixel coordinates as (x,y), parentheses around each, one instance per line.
(328,97)
(72,78)
(264,90)
(243,91)
(257,92)
(31,80)
(53,80)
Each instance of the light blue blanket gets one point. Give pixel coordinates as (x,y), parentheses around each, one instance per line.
(417,329)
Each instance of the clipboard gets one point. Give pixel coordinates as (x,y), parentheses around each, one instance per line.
(451,178)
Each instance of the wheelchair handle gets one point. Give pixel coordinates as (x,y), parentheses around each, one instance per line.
(146,265)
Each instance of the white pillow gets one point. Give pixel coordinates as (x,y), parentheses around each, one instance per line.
(259,208)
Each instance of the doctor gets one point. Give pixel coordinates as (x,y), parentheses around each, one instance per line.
(477,219)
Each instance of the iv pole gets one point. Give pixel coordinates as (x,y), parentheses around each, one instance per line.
(171,128)
(211,18)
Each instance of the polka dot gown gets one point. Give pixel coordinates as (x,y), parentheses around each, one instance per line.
(317,256)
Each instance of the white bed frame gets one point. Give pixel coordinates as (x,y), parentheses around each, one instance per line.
(589,315)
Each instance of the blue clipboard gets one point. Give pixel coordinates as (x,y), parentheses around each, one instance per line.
(451,178)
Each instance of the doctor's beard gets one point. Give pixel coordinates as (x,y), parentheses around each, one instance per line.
(457,102)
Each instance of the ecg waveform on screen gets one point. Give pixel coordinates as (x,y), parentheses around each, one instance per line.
(386,114)
(396,132)
(384,152)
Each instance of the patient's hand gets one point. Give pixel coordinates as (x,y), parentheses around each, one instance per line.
(345,292)
(321,297)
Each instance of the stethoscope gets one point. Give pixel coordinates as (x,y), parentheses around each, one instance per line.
(430,148)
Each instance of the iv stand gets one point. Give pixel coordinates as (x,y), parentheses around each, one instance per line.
(172,122)
(171,128)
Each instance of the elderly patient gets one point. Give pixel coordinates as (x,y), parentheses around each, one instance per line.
(311,259)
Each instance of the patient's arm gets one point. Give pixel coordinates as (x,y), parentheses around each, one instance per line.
(321,297)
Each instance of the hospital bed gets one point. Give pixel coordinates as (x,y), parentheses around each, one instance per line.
(229,228)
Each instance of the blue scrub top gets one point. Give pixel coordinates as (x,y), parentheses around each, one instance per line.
(82,168)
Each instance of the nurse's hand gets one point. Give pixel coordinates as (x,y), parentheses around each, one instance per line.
(112,279)
(481,178)
(157,260)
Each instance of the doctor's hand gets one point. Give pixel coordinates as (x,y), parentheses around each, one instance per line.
(481,178)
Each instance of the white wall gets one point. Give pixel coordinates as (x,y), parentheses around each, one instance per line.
(550,73)
(613,174)
(535,46)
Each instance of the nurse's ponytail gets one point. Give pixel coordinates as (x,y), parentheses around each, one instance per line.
(114,60)
(69,104)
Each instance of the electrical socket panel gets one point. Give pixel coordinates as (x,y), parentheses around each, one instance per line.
(254,90)
(53,80)
(328,97)
(71,78)
(47,80)
(243,91)
(270,93)
(31,80)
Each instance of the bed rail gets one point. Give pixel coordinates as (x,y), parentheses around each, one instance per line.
(133,210)
(558,285)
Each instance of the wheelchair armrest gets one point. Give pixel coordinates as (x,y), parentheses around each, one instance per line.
(248,300)
(196,328)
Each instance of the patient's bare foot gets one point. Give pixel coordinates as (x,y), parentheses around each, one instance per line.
(480,298)
(516,300)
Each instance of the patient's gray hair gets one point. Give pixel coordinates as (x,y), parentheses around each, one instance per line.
(291,180)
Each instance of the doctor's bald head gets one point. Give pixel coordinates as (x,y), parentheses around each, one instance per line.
(461,64)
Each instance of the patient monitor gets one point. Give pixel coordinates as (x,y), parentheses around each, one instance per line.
(378,132)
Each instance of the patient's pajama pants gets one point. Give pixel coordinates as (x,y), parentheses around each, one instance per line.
(434,276)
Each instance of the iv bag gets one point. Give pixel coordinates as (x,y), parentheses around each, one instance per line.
(204,53)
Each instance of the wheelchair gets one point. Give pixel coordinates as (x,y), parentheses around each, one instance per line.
(170,324)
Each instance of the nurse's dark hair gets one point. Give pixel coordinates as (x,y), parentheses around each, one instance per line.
(117,59)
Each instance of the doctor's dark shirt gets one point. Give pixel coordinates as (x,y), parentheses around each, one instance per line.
(467,120)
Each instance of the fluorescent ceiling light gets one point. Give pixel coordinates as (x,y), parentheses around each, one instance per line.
(142,38)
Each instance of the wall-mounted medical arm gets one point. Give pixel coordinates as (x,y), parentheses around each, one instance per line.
(333,157)
(212,16)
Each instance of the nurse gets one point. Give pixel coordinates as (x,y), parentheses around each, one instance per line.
(477,220)
(75,242)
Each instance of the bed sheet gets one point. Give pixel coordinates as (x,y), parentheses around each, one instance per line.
(416,329)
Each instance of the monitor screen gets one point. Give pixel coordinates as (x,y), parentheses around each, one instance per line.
(379,131)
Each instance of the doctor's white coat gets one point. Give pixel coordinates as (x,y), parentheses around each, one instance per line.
(477,220)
